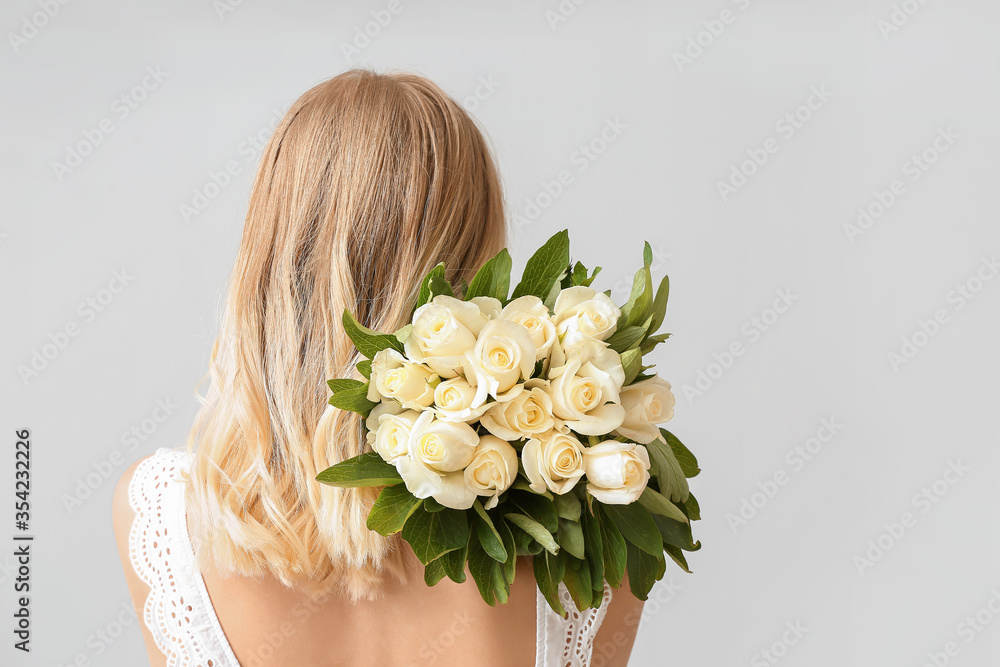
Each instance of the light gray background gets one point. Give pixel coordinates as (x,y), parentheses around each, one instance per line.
(554,87)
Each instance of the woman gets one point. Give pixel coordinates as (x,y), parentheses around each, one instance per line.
(233,553)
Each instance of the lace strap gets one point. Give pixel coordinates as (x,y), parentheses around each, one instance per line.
(178,610)
(567,642)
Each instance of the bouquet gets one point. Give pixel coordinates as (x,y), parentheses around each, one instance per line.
(525,424)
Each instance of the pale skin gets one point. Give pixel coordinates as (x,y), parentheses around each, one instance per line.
(447,625)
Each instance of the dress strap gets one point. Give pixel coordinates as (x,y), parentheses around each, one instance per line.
(567,642)
(178,610)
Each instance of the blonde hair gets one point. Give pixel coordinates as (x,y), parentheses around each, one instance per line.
(367,183)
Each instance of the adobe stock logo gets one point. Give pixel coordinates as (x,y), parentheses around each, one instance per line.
(32,23)
(958,297)
(121,108)
(796,458)
(86,311)
(753,329)
(913,168)
(779,648)
(712,30)
(923,501)
(364,34)
(786,126)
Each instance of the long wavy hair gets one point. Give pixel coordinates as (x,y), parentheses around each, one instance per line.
(367,183)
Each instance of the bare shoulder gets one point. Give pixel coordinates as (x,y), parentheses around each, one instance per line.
(617,633)
(122,516)
(121,509)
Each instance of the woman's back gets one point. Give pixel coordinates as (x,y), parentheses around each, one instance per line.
(368,183)
(230,620)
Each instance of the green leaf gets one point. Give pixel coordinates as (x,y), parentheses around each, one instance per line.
(432,505)
(550,299)
(677,556)
(367,341)
(402,333)
(549,571)
(676,533)
(652,341)
(647,255)
(539,508)
(354,399)
(454,563)
(488,535)
(614,548)
(365,368)
(434,572)
(510,546)
(577,580)
(691,508)
(567,506)
(521,484)
(344,384)
(579,275)
(485,572)
(525,543)
(432,534)
(657,504)
(571,538)
(434,276)
(632,363)
(536,530)
(637,526)
(366,469)
(594,547)
(439,285)
(545,267)
(391,509)
(626,338)
(687,461)
(659,308)
(667,471)
(644,570)
(640,302)
(493,278)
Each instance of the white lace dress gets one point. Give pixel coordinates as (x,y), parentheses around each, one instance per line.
(179,613)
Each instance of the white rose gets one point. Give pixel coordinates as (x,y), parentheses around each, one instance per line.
(443,331)
(617,472)
(440,445)
(394,376)
(585,389)
(647,403)
(583,313)
(374,417)
(447,488)
(392,435)
(493,469)
(595,351)
(453,401)
(504,355)
(527,413)
(489,306)
(553,461)
(533,315)
(437,453)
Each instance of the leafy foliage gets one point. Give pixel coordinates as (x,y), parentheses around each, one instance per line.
(545,267)
(434,284)
(432,534)
(367,341)
(572,538)
(366,469)
(493,279)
